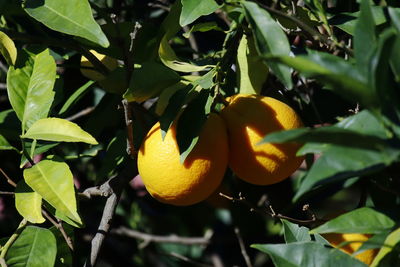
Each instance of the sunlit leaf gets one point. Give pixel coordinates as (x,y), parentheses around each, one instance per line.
(34,247)
(295,233)
(8,49)
(72,17)
(391,245)
(58,130)
(28,203)
(30,86)
(54,182)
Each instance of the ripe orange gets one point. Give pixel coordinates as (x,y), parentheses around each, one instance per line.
(172,182)
(249,118)
(367,256)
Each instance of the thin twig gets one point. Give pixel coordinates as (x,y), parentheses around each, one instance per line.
(9,180)
(264,212)
(148,238)
(6,193)
(59,226)
(81,113)
(243,248)
(129,123)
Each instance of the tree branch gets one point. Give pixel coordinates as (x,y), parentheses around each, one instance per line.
(148,238)
(243,248)
(9,180)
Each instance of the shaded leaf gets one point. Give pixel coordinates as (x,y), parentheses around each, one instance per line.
(193,9)
(394,14)
(203,27)
(35,148)
(295,233)
(310,254)
(4,145)
(64,255)
(270,39)
(58,130)
(30,86)
(28,203)
(166,94)
(54,182)
(363,220)
(8,49)
(34,247)
(141,87)
(72,17)
(75,97)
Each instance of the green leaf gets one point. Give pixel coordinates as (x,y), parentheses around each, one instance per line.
(203,27)
(54,182)
(363,220)
(28,203)
(341,76)
(193,9)
(72,17)
(34,247)
(10,126)
(364,33)
(395,59)
(8,49)
(391,245)
(114,156)
(58,130)
(141,87)
(190,123)
(30,86)
(169,58)
(4,145)
(166,94)
(75,97)
(252,72)
(270,39)
(35,148)
(294,233)
(310,254)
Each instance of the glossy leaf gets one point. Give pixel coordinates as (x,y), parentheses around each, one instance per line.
(34,247)
(193,9)
(30,86)
(270,39)
(142,88)
(75,97)
(252,72)
(391,241)
(28,203)
(342,77)
(72,17)
(295,233)
(8,49)
(362,220)
(58,130)
(169,58)
(310,254)
(54,182)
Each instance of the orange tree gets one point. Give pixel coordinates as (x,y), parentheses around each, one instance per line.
(82,82)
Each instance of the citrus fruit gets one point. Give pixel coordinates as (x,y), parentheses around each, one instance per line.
(335,239)
(110,62)
(249,118)
(170,181)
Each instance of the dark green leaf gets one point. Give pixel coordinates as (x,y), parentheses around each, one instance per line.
(364,33)
(294,232)
(270,39)
(141,87)
(114,156)
(34,247)
(30,86)
(4,145)
(190,123)
(203,27)
(340,75)
(75,97)
(193,9)
(395,59)
(39,148)
(363,220)
(394,14)
(64,255)
(310,254)
(10,126)
(72,17)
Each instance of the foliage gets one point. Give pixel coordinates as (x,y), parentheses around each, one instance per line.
(63,137)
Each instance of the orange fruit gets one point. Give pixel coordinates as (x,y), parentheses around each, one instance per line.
(249,118)
(335,239)
(170,181)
